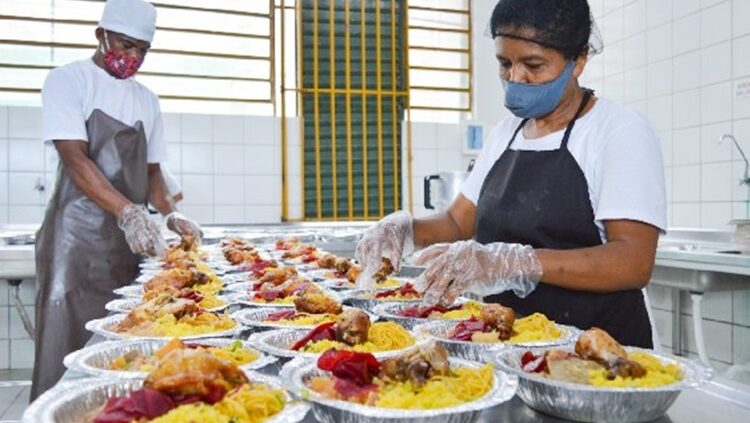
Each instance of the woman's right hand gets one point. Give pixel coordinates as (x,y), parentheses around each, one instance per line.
(391,238)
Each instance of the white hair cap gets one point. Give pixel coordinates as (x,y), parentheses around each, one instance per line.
(134,18)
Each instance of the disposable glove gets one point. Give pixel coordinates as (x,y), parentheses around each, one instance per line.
(182,226)
(141,233)
(391,238)
(455,268)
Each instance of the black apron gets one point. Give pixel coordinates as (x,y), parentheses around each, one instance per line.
(541,199)
(81,254)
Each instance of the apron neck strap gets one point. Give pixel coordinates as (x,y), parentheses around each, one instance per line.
(587,94)
(515,133)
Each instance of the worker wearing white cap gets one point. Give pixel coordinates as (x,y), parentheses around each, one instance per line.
(107,129)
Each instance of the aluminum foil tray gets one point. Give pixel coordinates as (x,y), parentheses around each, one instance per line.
(97,359)
(71,402)
(277,342)
(253,318)
(355,298)
(389,311)
(586,403)
(101,327)
(297,372)
(132,291)
(125,305)
(341,284)
(439,330)
(147,274)
(242,295)
(136,291)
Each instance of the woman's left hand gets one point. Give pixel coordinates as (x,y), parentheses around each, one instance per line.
(482,269)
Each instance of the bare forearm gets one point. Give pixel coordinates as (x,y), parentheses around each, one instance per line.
(89,179)
(158,195)
(611,267)
(454,224)
(434,229)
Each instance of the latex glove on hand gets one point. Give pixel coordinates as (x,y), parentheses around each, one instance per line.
(391,238)
(455,268)
(181,225)
(141,233)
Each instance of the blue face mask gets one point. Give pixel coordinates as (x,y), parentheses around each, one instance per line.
(536,100)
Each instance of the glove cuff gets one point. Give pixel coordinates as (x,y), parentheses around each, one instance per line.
(129,212)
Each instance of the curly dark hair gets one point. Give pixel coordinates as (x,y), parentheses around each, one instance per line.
(564,25)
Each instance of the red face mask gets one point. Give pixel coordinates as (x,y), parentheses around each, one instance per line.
(120,64)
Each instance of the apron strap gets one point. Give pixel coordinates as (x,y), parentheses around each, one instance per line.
(587,94)
(515,133)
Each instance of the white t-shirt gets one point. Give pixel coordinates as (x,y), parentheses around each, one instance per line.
(618,151)
(173,187)
(72,92)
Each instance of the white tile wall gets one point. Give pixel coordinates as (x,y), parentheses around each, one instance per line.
(436,148)
(695,58)
(684,67)
(214,157)
(4,354)
(21,354)
(4,317)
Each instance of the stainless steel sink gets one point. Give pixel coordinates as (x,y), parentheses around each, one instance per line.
(705,249)
(698,280)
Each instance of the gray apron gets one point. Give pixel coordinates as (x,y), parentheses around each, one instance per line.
(81,254)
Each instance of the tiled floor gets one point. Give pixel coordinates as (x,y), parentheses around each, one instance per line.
(15,386)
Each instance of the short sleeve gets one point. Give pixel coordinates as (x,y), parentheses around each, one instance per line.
(169,179)
(630,182)
(62,107)
(157,147)
(493,145)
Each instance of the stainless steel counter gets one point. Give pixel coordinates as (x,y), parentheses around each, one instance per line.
(720,401)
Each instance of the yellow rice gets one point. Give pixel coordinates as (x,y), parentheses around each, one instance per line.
(383,336)
(470,309)
(248,404)
(534,328)
(307,320)
(657,374)
(288,300)
(168,325)
(464,385)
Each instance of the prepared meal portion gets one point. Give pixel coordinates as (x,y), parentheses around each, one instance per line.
(194,385)
(284,244)
(310,309)
(186,248)
(419,379)
(599,360)
(136,361)
(339,267)
(184,284)
(307,253)
(260,267)
(405,292)
(353,330)
(285,293)
(466,310)
(199,281)
(274,276)
(173,317)
(389,283)
(239,252)
(499,324)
